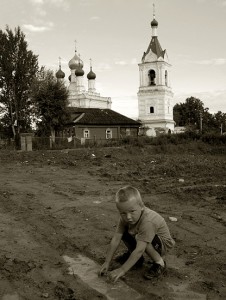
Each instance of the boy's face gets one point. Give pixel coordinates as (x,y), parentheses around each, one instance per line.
(130,211)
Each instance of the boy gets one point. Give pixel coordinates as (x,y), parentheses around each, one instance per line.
(143,231)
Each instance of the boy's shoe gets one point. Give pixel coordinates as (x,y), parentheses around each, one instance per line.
(155,271)
(123,258)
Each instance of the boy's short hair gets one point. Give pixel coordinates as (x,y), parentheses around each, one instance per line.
(126,193)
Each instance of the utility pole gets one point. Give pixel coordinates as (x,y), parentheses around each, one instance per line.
(221,128)
(200,122)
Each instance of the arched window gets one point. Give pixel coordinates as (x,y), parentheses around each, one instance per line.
(108,134)
(86,133)
(166,78)
(151,75)
(152,109)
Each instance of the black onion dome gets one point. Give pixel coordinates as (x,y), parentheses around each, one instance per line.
(60,74)
(91,74)
(154,23)
(79,71)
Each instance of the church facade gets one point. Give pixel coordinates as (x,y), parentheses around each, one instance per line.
(155,96)
(90,113)
(78,95)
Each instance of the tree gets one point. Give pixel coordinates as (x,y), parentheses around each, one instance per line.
(220,121)
(193,115)
(49,97)
(18,67)
(190,113)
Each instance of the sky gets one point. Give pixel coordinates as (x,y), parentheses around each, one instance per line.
(115,33)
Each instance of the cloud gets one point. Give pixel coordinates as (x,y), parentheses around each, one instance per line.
(40,11)
(220,2)
(60,3)
(213,61)
(33,28)
(186,60)
(37,1)
(85,2)
(64,4)
(126,105)
(133,61)
(95,18)
(102,67)
(121,62)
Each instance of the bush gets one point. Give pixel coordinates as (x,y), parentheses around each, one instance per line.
(214,139)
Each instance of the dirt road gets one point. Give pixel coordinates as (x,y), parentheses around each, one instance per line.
(62,203)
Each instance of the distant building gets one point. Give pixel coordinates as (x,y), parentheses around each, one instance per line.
(91,114)
(97,123)
(155,96)
(78,95)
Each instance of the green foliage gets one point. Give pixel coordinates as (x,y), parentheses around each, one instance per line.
(188,113)
(214,139)
(194,116)
(49,97)
(18,67)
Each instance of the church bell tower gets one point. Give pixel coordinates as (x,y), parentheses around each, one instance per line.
(155,96)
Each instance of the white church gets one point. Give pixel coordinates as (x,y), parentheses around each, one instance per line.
(78,95)
(155,96)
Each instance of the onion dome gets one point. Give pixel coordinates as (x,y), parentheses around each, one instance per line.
(79,71)
(154,23)
(91,74)
(60,74)
(75,62)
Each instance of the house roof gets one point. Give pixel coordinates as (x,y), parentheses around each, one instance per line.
(98,116)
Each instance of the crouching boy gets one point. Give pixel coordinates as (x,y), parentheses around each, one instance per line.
(142,231)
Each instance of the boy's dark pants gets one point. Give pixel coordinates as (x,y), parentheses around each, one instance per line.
(131,242)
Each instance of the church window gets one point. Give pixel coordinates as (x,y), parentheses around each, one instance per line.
(86,133)
(151,110)
(166,78)
(151,75)
(108,134)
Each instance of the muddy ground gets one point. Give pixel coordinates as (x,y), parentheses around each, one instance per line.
(62,203)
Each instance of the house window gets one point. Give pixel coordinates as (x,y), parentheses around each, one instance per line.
(127,131)
(108,134)
(151,109)
(86,133)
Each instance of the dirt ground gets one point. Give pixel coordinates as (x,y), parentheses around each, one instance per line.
(59,203)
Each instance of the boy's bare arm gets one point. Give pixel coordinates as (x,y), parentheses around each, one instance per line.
(111,250)
(113,246)
(134,256)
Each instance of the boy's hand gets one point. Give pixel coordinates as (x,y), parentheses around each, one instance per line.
(116,274)
(104,269)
